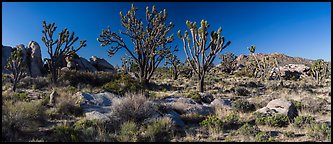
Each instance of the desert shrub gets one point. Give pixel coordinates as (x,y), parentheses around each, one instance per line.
(242,91)
(192,118)
(213,123)
(74,77)
(244,73)
(64,133)
(159,130)
(289,134)
(276,120)
(67,106)
(20,96)
(320,131)
(313,105)
(34,83)
(122,85)
(243,105)
(301,121)
(93,130)
(231,120)
(248,130)
(263,137)
(133,107)
(195,96)
(128,132)
(20,117)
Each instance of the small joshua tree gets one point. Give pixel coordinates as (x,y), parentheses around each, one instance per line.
(175,63)
(60,48)
(16,66)
(202,54)
(228,62)
(319,70)
(149,42)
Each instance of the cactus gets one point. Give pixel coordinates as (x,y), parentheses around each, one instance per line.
(16,66)
(59,53)
(149,43)
(202,61)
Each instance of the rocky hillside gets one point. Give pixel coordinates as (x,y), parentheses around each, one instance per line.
(281,58)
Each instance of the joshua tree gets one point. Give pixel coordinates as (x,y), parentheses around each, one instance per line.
(16,66)
(149,42)
(198,52)
(174,62)
(63,47)
(319,70)
(228,62)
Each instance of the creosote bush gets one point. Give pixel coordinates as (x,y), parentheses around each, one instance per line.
(276,120)
(248,130)
(123,84)
(159,130)
(128,132)
(301,121)
(263,137)
(243,105)
(92,78)
(64,133)
(213,123)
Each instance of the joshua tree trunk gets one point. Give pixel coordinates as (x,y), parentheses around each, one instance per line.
(175,73)
(201,84)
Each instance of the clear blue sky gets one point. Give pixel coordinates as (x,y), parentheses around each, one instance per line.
(300,29)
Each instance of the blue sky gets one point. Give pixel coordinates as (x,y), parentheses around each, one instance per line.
(300,29)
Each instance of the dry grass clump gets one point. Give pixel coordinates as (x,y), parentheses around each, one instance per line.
(21,117)
(135,107)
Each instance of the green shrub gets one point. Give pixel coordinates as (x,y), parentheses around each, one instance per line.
(64,133)
(320,131)
(231,120)
(122,85)
(93,130)
(289,134)
(213,123)
(248,130)
(243,105)
(128,132)
(21,96)
(263,137)
(20,117)
(159,130)
(74,77)
(276,120)
(300,121)
(195,96)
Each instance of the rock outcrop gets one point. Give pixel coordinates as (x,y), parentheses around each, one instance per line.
(80,64)
(102,65)
(280,106)
(36,63)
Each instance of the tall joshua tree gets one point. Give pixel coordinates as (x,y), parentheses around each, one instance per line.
(149,42)
(60,48)
(16,66)
(202,54)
